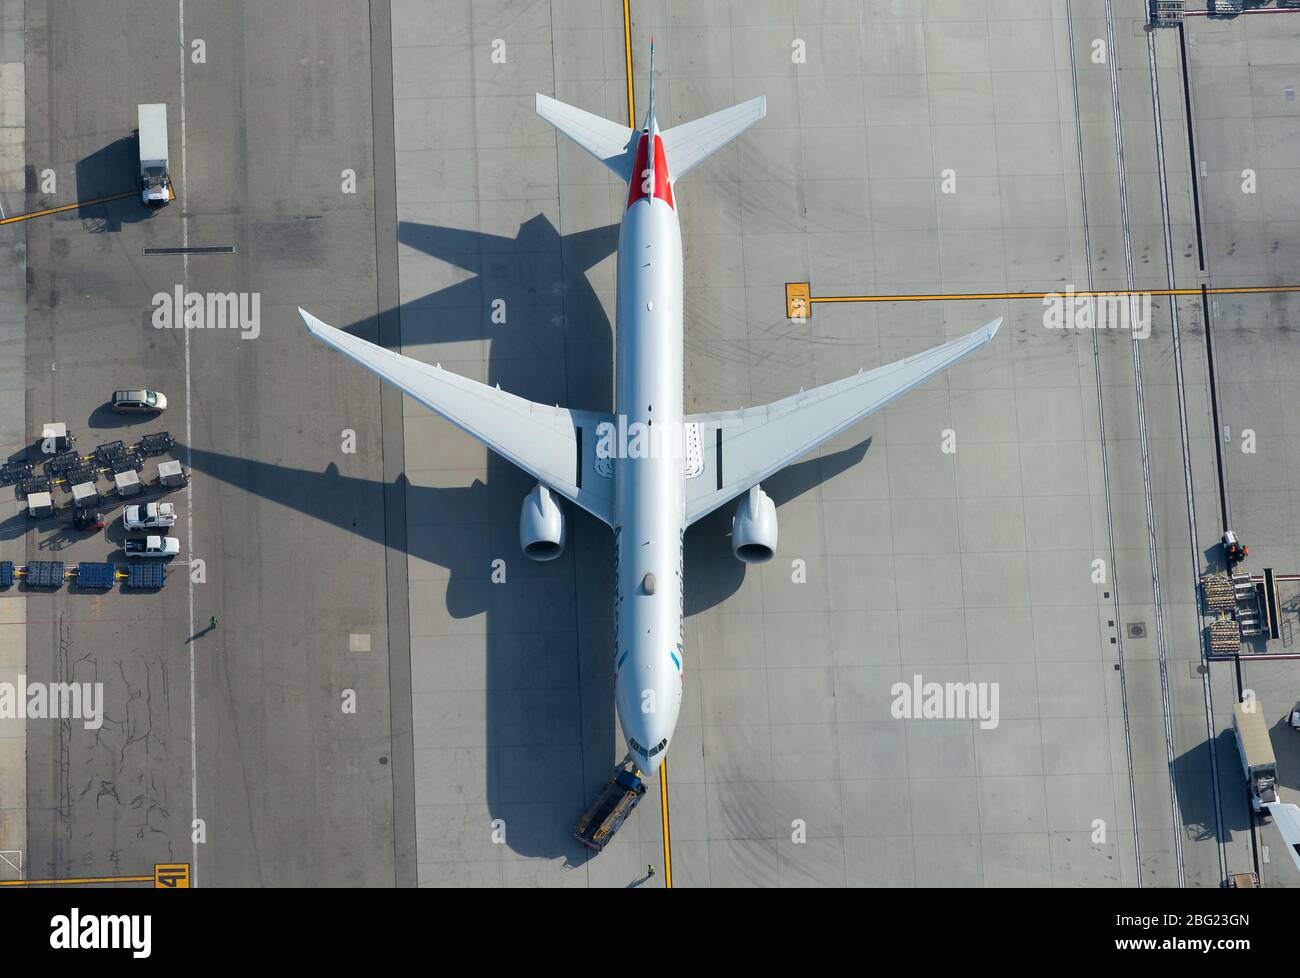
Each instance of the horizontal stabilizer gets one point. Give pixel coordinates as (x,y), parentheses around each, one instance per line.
(609,142)
(690,144)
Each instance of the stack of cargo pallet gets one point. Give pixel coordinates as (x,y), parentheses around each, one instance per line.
(96,575)
(1219,593)
(1225,637)
(146,576)
(45,573)
(156,444)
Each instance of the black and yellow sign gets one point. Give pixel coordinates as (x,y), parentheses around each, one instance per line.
(171,876)
(798,300)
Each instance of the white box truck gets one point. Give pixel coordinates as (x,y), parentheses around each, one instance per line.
(155,184)
(1257,758)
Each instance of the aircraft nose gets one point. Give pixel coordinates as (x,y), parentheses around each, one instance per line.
(648,767)
(648,748)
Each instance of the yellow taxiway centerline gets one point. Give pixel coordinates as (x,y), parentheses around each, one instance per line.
(627,57)
(67,207)
(668,845)
(79,882)
(631,124)
(977,296)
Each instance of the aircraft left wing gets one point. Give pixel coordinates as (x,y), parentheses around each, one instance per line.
(740,449)
(554,445)
(609,142)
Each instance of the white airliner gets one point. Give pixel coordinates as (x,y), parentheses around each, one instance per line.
(647,470)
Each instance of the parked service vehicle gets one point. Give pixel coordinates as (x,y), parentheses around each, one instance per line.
(156,547)
(88,519)
(150,516)
(1256,749)
(139,402)
(155,182)
(610,809)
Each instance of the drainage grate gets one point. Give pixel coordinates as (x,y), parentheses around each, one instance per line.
(208,250)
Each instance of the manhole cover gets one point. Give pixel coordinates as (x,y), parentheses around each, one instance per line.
(1137,629)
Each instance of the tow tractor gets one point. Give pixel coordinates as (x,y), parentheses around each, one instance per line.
(611,808)
(1234,551)
(88,519)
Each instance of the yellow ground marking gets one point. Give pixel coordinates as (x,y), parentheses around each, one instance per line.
(797,293)
(171,876)
(166,876)
(72,207)
(79,882)
(797,298)
(627,56)
(668,845)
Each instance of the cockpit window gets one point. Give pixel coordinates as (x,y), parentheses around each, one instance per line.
(657,749)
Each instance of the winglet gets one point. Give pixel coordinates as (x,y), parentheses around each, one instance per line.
(310,321)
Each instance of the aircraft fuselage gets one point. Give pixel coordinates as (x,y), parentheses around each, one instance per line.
(649,476)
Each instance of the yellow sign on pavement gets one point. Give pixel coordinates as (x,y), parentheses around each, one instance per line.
(171,876)
(798,300)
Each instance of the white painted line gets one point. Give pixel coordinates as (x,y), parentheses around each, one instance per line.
(189,488)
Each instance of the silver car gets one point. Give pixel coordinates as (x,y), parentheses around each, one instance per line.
(139,402)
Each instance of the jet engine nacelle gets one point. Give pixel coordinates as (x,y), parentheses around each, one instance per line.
(541,525)
(753,528)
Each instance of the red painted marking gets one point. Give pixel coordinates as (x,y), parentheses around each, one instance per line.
(663,190)
(634,183)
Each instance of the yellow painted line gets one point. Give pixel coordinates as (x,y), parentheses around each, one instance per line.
(67,207)
(627,56)
(166,876)
(985,296)
(668,845)
(79,882)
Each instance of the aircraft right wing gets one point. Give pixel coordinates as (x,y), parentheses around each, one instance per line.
(1287,818)
(740,449)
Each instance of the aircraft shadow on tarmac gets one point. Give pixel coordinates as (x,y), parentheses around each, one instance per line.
(556,347)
